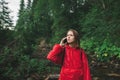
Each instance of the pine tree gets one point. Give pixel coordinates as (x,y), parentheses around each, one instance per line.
(5,20)
(5,24)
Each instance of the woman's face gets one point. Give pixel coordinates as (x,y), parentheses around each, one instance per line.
(70,37)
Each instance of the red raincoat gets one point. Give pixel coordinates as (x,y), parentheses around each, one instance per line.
(74,63)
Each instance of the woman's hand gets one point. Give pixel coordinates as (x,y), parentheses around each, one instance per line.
(63,41)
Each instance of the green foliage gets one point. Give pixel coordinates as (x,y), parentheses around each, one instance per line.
(42,20)
(103,50)
(100,28)
(106,51)
(65,15)
(6,37)
(48,20)
(17,66)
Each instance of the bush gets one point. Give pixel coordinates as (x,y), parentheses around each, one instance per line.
(103,50)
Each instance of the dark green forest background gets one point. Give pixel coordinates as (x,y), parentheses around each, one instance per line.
(45,22)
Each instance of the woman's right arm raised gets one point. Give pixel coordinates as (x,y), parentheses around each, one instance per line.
(56,54)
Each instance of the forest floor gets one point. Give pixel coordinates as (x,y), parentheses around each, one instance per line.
(109,70)
(105,72)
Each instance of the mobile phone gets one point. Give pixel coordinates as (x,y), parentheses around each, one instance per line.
(65,40)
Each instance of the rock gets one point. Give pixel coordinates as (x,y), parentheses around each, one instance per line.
(52,77)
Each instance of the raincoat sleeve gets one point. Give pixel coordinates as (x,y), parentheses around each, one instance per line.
(86,69)
(56,54)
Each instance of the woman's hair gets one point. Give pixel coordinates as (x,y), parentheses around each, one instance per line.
(77,37)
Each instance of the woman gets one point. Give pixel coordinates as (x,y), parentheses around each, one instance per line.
(72,58)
